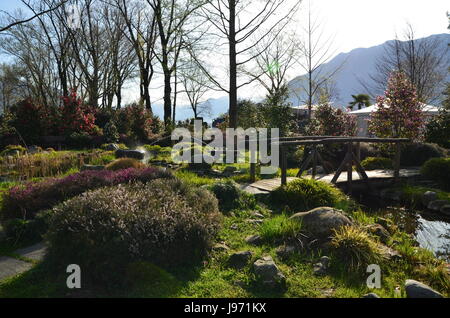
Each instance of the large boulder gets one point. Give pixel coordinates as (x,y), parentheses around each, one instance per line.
(436,205)
(240,259)
(135,154)
(379,231)
(320,222)
(415,289)
(445,209)
(429,196)
(268,273)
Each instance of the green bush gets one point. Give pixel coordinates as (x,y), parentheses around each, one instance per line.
(164,222)
(12,149)
(306,194)
(355,247)
(20,231)
(374,163)
(279,228)
(416,154)
(124,163)
(438,169)
(231,197)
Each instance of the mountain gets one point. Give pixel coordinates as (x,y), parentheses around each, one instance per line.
(357,65)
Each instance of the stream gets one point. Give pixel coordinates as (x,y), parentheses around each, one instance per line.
(431,230)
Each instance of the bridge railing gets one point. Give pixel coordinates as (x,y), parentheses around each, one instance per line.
(351,158)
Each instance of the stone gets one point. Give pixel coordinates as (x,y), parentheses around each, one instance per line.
(321,268)
(389,253)
(257,215)
(35,252)
(234,227)
(429,196)
(220,247)
(445,209)
(268,273)
(240,259)
(415,289)
(320,222)
(252,221)
(92,167)
(254,239)
(379,231)
(111,147)
(387,224)
(371,295)
(33,150)
(436,205)
(10,267)
(284,251)
(229,170)
(125,153)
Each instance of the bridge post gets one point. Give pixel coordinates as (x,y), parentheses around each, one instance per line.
(350,167)
(398,151)
(283,163)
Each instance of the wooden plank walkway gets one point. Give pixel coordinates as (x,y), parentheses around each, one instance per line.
(272,184)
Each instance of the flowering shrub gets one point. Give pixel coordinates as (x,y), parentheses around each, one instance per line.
(27,120)
(137,122)
(399,112)
(25,201)
(75,116)
(164,222)
(329,121)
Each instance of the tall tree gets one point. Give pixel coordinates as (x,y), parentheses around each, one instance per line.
(359,100)
(236,23)
(423,61)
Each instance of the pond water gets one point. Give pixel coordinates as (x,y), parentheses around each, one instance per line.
(431,230)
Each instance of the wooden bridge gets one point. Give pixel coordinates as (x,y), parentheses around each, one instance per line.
(352,158)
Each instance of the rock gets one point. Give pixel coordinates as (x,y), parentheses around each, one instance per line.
(391,194)
(229,170)
(252,221)
(284,252)
(135,154)
(415,289)
(254,239)
(321,268)
(429,196)
(220,247)
(240,260)
(371,295)
(379,231)
(257,215)
(445,209)
(234,227)
(111,147)
(436,205)
(91,167)
(389,253)
(387,224)
(268,273)
(321,222)
(33,150)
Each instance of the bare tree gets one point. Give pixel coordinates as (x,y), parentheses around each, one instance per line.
(274,59)
(195,86)
(172,19)
(317,49)
(424,61)
(19,21)
(236,23)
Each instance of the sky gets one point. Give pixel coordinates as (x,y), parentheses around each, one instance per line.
(355,23)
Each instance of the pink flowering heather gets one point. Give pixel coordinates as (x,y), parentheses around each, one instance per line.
(26,200)
(399,113)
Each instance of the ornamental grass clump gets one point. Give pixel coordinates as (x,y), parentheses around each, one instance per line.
(25,201)
(125,163)
(307,194)
(164,222)
(355,247)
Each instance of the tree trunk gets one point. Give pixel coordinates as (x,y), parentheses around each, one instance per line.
(167,97)
(233,67)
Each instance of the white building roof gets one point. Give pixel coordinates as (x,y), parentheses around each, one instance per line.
(429,109)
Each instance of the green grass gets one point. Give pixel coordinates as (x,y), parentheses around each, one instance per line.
(279,228)
(192,178)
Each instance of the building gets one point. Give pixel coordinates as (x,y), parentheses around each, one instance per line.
(363,115)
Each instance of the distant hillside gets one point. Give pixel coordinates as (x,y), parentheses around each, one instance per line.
(359,64)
